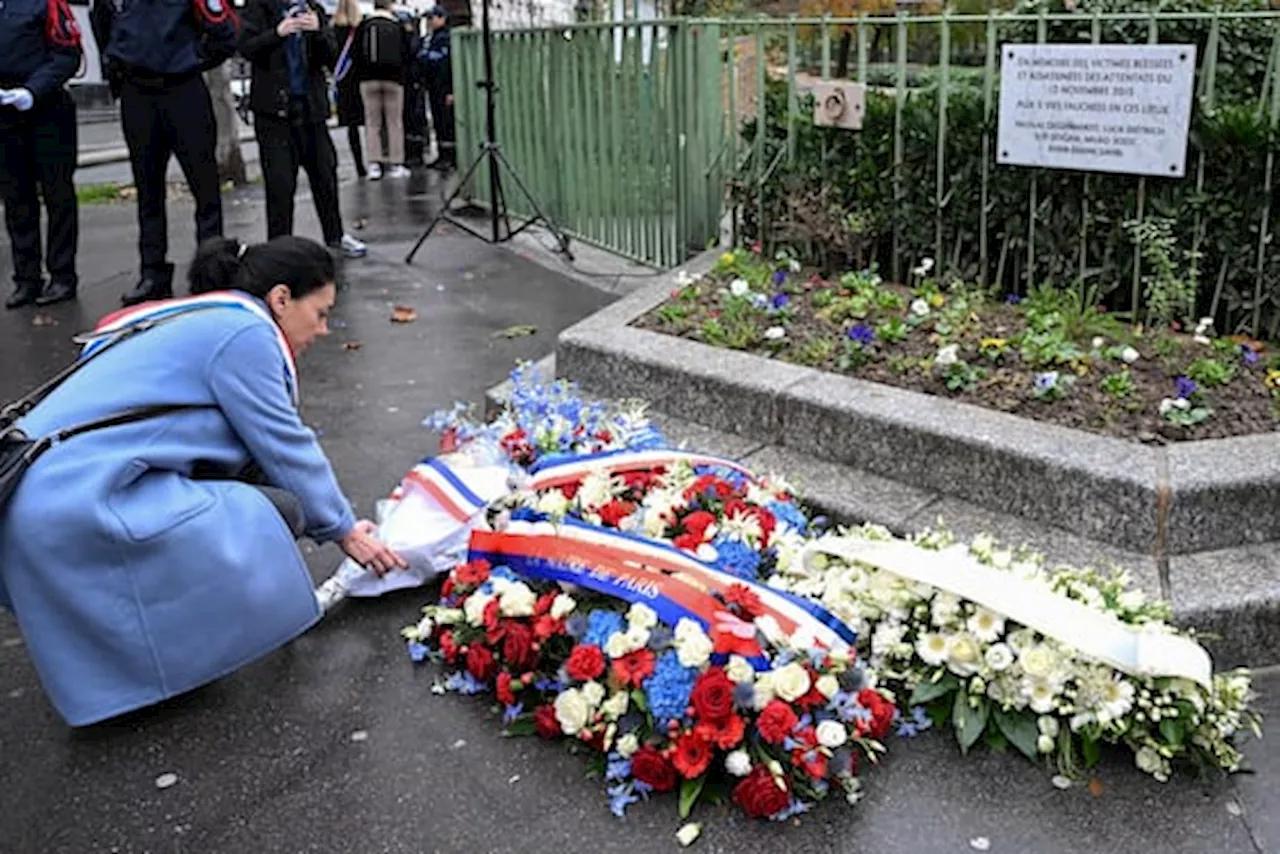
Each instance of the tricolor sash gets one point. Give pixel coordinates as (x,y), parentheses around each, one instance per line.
(563,471)
(119,320)
(635,569)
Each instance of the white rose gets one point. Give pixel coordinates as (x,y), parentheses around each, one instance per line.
(739,670)
(999,657)
(628,745)
(832,734)
(562,606)
(553,503)
(963,655)
(593,693)
(828,685)
(572,711)
(791,682)
(641,616)
(474,608)
(738,763)
(517,601)
(1038,661)
(616,706)
(932,649)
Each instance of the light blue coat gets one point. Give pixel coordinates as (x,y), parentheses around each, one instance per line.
(132,582)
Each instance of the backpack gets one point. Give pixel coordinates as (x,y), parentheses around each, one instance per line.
(383,47)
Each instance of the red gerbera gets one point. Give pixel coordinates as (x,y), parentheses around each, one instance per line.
(632,669)
(726,734)
(692,755)
(776,722)
(585,663)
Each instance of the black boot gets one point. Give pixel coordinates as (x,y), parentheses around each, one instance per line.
(24,294)
(57,292)
(155,284)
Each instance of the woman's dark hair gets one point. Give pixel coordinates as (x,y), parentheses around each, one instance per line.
(225,264)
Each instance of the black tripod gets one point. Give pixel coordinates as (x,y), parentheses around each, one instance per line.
(491,153)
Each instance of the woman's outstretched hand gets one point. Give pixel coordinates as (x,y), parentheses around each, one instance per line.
(363,547)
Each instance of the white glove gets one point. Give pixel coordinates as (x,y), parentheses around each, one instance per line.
(20,99)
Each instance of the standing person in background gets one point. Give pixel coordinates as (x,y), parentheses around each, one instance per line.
(439,73)
(154,53)
(39,52)
(415,98)
(346,20)
(290,44)
(381,54)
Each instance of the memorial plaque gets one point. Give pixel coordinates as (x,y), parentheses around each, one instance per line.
(1098,108)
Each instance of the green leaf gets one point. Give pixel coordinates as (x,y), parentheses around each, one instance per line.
(1089,748)
(638,700)
(1171,731)
(927,691)
(1020,729)
(516,332)
(968,721)
(520,727)
(689,791)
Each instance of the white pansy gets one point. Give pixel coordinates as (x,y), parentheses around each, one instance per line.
(791,682)
(616,706)
(553,502)
(827,685)
(932,648)
(986,626)
(562,606)
(641,616)
(739,288)
(593,693)
(919,308)
(832,734)
(775,333)
(964,656)
(947,356)
(628,745)
(999,657)
(1129,355)
(693,647)
(572,711)
(738,763)
(474,608)
(517,601)
(739,670)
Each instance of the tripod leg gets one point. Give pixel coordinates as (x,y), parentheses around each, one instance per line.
(444,211)
(561,237)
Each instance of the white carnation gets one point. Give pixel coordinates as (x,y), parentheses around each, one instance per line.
(562,606)
(641,616)
(693,647)
(517,601)
(474,608)
(616,706)
(738,763)
(553,502)
(832,734)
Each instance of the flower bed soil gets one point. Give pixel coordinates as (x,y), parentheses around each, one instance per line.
(1042,357)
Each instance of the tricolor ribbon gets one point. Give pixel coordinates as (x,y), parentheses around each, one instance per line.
(447,487)
(120,320)
(563,471)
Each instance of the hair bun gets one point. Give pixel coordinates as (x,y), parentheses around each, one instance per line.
(217,265)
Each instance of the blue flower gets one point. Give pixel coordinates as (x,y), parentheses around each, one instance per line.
(914,725)
(554,685)
(660,637)
(511,713)
(862,335)
(601,626)
(736,557)
(1249,355)
(1046,381)
(1012,299)
(1186,387)
(575,626)
(789,514)
(779,277)
(797,807)
(417,652)
(667,690)
(779,301)
(464,683)
(744,695)
(618,768)
(621,797)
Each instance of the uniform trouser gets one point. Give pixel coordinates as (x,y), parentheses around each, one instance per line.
(442,120)
(383,105)
(159,122)
(38,158)
(283,146)
(415,123)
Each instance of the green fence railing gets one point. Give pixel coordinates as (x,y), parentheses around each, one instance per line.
(647,137)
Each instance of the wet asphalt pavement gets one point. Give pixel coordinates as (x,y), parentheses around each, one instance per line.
(335,743)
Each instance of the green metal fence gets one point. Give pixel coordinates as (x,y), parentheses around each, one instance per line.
(631,134)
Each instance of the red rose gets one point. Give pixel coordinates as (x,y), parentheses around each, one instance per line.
(473,574)
(481,663)
(517,647)
(612,514)
(544,721)
(692,755)
(504,689)
(448,647)
(882,712)
(652,768)
(633,668)
(761,795)
(726,734)
(776,722)
(585,663)
(712,696)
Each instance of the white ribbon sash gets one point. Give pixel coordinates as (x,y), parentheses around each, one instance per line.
(1091,633)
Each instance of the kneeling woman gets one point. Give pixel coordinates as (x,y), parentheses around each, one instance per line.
(138,559)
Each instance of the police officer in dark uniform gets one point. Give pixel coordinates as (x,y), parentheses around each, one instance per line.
(154,52)
(39,52)
(439,73)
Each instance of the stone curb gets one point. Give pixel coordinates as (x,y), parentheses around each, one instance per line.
(1165,501)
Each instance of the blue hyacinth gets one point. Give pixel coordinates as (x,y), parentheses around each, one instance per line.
(789,515)
(736,557)
(601,626)
(667,690)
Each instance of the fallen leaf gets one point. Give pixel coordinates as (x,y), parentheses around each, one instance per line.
(360,735)
(1062,782)
(1235,809)
(459,744)
(1096,788)
(516,332)
(164,781)
(43,320)
(403,314)
(688,834)
(980,843)
(351,345)
(515,778)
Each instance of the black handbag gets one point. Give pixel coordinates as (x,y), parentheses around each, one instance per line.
(18,451)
